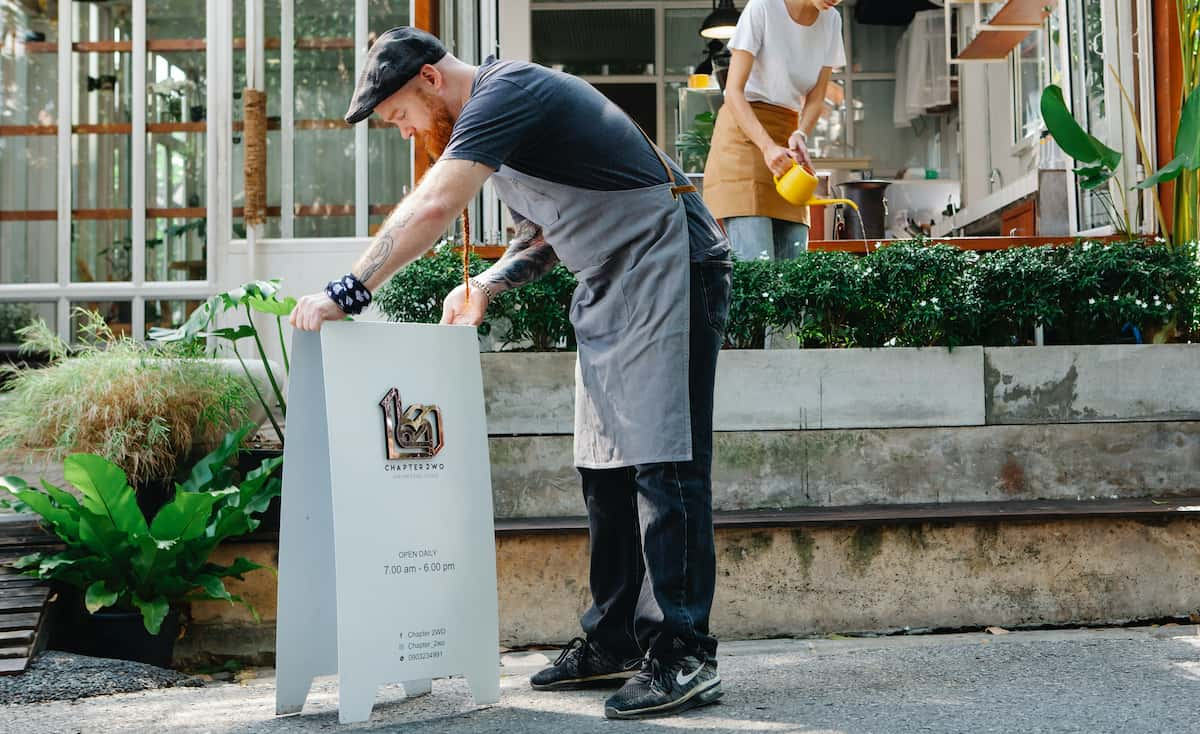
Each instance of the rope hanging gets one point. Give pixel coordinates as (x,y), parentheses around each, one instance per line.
(254,167)
(467,255)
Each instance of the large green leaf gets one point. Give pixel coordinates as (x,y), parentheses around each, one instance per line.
(106,492)
(98,535)
(1187,145)
(239,568)
(213,471)
(153,612)
(183,518)
(232,333)
(213,587)
(1073,139)
(99,596)
(271,305)
(64,522)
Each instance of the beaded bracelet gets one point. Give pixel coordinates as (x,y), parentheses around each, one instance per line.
(349,294)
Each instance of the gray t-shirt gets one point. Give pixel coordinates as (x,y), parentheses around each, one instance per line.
(557,127)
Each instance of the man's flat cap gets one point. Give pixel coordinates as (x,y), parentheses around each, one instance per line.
(395,57)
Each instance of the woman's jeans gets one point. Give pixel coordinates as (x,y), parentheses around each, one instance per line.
(653,562)
(756,238)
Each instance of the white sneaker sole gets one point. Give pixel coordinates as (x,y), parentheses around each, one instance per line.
(703,694)
(589,681)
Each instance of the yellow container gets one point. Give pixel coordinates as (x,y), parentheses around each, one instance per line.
(797,185)
(698,81)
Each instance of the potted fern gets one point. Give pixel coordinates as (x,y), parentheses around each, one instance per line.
(133,576)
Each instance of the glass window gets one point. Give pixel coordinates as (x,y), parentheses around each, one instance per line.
(595,42)
(874,45)
(176,125)
(116,314)
(876,135)
(685,49)
(389,171)
(15,316)
(28,144)
(1086,30)
(1028,82)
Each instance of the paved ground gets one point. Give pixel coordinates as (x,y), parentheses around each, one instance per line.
(1123,681)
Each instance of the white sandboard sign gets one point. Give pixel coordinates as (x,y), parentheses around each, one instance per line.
(387,563)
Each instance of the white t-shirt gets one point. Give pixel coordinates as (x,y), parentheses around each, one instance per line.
(788,57)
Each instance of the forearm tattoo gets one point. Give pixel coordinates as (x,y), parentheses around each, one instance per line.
(527,258)
(376,258)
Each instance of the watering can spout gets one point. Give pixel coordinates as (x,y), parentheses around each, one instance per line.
(797,187)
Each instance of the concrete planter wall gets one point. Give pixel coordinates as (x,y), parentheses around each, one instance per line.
(804,428)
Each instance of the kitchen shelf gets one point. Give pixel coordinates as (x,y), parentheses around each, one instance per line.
(995,39)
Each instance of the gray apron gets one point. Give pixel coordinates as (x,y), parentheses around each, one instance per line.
(630,252)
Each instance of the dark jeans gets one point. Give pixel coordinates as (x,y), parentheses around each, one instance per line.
(653,564)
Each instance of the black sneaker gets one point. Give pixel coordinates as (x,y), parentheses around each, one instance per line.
(665,687)
(582,664)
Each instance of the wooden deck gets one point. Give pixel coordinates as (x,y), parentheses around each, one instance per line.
(23,600)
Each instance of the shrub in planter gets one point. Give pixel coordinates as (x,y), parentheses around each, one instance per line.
(1127,292)
(537,313)
(1016,290)
(147,410)
(124,564)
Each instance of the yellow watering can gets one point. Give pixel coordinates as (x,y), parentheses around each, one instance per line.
(797,187)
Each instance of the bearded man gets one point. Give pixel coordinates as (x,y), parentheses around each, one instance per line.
(587,189)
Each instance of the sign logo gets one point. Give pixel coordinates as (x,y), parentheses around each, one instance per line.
(414,432)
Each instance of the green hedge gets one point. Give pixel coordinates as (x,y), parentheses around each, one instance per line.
(906,294)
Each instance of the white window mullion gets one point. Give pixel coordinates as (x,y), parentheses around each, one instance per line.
(66,33)
(137,172)
(287,92)
(660,67)
(361,154)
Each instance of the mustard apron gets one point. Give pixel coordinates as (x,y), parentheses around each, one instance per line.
(737,182)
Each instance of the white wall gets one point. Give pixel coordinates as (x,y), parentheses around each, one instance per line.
(985,105)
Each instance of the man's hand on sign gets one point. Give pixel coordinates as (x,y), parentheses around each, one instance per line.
(313,310)
(778,159)
(456,310)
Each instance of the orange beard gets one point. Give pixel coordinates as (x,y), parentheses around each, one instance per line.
(436,139)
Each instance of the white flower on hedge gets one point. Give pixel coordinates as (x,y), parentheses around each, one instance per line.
(934,299)
(1091,301)
(890,342)
(924,303)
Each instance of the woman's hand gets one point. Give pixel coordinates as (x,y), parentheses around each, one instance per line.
(778,159)
(456,310)
(799,150)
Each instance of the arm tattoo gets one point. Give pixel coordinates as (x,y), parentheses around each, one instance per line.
(528,258)
(377,255)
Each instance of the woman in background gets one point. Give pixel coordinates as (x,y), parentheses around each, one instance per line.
(783,54)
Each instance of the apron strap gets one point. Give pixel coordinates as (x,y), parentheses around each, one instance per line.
(676,190)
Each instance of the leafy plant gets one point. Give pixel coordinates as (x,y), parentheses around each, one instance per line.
(142,408)
(121,561)
(536,313)
(694,143)
(1099,163)
(261,296)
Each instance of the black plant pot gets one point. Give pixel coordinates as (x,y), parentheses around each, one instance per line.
(112,634)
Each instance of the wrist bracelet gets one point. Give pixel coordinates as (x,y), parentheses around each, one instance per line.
(486,290)
(349,294)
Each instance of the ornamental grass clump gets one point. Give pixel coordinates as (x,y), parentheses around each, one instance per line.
(144,409)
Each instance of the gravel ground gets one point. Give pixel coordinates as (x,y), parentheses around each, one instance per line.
(1125,681)
(58,676)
